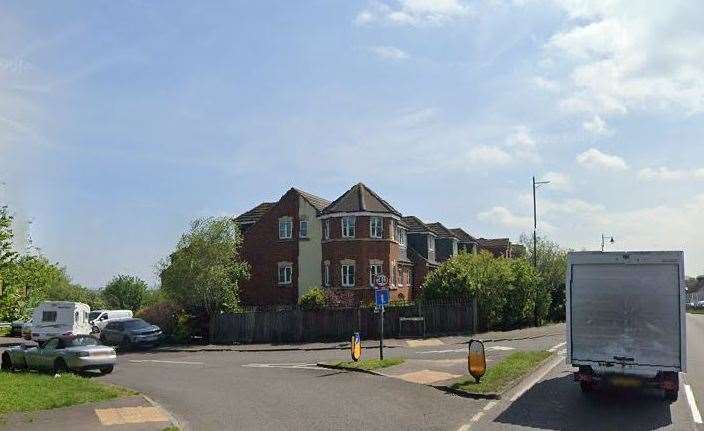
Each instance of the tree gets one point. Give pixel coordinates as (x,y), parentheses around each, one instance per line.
(125,292)
(552,267)
(7,253)
(203,273)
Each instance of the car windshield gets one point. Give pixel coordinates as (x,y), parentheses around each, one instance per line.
(82,341)
(136,324)
(94,315)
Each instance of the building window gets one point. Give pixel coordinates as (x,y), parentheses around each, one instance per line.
(374,270)
(376,227)
(454,247)
(401,236)
(394,276)
(327,228)
(285,227)
(431,243)
(326,273)
(285,272)
(348,226)
(303,229)
(391,229)
(347,272)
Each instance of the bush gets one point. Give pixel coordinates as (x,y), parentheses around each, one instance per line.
(163,314)
(313,299)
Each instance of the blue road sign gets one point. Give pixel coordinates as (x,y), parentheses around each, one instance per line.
(381,296)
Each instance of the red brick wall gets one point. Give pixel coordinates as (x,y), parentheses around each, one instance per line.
(263,250)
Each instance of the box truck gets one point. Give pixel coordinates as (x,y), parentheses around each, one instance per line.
(626,319)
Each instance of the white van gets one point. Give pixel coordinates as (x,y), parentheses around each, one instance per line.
(100,318)
(56,318)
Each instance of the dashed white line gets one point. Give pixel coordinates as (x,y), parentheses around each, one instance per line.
(478,416)
(555,347)
(289,366)
(490,405)
(692,404)
(488,349)
(166,362)
(537,378)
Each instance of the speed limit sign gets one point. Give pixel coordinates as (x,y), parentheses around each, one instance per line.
(380,280)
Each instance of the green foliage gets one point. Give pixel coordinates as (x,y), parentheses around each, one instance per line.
(7,254)
(552,266)
(501,375)
(203,273)
(508,291)
(164,314)
(125,292)
(313,299)
(369,364)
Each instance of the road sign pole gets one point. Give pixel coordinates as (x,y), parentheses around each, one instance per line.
(381,334)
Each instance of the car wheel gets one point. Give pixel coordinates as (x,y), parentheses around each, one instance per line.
(6,363)
(60,367)
(106,370)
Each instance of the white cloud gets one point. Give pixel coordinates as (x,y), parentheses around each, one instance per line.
(558,181)
(595,159)
(523,145)
(502,216)
(617,55)
(546,84)
(596,125)
(413,12)
(388,52)
(487,155)
(663,173)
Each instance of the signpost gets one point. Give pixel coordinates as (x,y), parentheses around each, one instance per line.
(381,298)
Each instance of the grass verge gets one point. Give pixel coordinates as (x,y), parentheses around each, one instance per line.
(26,392)
(369,364)
(697,311)
(500,375)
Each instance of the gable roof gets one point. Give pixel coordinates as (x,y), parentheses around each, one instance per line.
(360,198)
(462,235)
(495,243)
(253,215)
(414,225)
(316,201)
(440,230)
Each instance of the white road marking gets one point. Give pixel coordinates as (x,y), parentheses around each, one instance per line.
(464,427)
(490,405)
(553,348)
(488,349)
(492,348)
(166,362)
(289,366)
(537,378)
(562,352)
(692,404)
(478,416)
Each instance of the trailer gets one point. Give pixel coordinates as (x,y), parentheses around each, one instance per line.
(625,319)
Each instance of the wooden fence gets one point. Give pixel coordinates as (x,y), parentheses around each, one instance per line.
(294,325)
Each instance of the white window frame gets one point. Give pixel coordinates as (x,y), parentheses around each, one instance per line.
(283,221)
(376,267)
(287,275)
(455,247)
(401,236)
(326,273)
(431,243)
(345,273)
(303,233)
(376,227)
(394,275)
(349,226)
(327,228)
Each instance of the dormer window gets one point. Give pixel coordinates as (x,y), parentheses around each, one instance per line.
(327,229)
(348,226)
(376,227)
(431,243)
(285,227)
(454,247)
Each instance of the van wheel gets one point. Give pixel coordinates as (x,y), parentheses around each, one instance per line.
(106,370)
(671,396)
(60,367)
(586,387)
(6,363)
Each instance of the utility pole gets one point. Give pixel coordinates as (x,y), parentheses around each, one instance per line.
(536,184)
(603,241)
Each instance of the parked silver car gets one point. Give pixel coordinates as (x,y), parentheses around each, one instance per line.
(62,354)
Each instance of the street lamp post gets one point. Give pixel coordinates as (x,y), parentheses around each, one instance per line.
(603,240)
(536,184)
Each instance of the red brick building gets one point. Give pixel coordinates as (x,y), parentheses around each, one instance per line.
(304,241)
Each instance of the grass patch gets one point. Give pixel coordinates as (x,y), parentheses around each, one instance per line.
(26,392)
(501,374)
(369,364)
(5,332)
(171,428)
(696,311)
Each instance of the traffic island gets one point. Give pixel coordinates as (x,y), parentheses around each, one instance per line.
(365,365)
(501,376)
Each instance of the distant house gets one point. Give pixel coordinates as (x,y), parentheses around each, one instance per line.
(421,250)
(446,242)
(467,242)
(499,247)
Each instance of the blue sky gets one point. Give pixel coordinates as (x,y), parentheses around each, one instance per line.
(122,121)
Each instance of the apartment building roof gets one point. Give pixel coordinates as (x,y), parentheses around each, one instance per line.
(415,225)
(462,235)
(253,215)
(317,202)
(494,243)
(360,198)
(440,230)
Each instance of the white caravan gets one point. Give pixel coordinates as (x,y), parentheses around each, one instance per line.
(100,318)
(57,318)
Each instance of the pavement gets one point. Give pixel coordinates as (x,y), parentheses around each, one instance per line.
(125,414)
(264,389)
